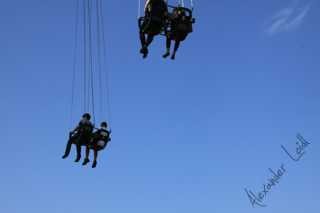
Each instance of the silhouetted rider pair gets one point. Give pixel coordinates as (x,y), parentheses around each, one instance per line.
(176,25)
(83,135)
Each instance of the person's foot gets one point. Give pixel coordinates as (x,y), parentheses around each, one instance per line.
(145,55)
(64,156)
(173,57)
(86,160)
(144,51)
(166,55)
(94,165)
(77,159)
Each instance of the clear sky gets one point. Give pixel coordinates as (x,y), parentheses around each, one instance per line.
(188,135)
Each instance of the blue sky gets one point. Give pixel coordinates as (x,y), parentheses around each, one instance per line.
(188,135)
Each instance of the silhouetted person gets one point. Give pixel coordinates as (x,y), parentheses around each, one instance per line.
(152,24)
(180,26)
(98,142)
(81,135)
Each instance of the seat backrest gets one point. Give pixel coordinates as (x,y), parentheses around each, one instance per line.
(102,134)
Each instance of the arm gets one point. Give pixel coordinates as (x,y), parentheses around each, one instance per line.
(73,131)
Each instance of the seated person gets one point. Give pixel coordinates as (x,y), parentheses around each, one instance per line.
(79,136)
(152,23)
(98,142)
(180,26)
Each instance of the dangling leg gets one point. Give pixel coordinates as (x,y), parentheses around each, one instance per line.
(144,49)
(95,158)
(78,145)
(86,160)
(68,149)
(168,45)
(142,37)
(142,40)
(144,46)
(176,47)
(149,39)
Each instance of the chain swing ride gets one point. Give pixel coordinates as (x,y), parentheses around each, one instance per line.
(90,81)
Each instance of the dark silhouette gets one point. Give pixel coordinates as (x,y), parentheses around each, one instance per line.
(80,136)
(152,24)
(98,142)
(180,25)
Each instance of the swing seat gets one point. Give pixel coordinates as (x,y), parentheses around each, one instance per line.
(151,25)
(83,140)
(98,145)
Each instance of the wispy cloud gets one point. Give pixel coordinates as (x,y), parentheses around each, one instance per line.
(287,19)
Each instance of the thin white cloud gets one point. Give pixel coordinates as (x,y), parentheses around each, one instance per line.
(297,21)
(287,19)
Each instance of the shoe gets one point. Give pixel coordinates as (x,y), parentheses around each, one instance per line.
(78,159)
(94,165)
(173,57)
(85,161)
(144,51)
(166,55)
(64,157)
